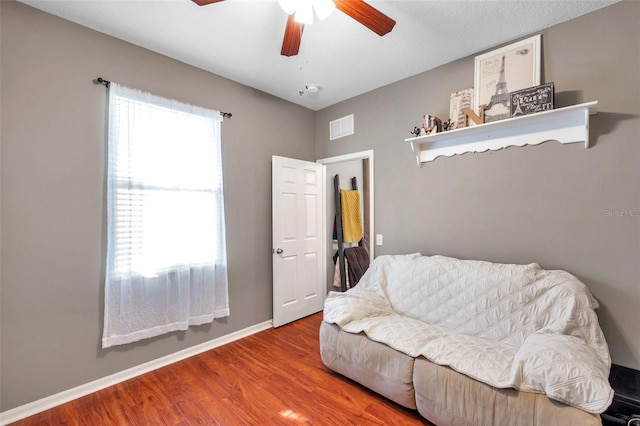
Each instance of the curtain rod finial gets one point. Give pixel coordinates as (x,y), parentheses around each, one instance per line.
(102,81)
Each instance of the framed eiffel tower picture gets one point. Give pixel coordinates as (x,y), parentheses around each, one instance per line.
(502,71)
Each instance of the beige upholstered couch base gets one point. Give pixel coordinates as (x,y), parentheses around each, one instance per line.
(440,394)
(372,364)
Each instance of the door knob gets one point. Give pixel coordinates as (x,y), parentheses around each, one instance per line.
(279,251)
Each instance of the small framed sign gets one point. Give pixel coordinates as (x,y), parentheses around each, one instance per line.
(532,100)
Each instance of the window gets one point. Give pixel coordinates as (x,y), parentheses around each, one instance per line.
(166,257)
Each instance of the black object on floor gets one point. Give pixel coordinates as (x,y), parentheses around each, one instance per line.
(626,401)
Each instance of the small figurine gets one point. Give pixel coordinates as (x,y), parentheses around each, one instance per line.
(432,124)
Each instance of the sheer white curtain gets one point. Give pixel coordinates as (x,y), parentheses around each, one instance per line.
(166,257)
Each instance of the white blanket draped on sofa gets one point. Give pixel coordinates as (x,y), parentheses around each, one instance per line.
(516,326)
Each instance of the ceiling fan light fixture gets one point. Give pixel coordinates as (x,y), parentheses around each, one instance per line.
(323,8)
(289,6)
(304,13)
(303,10)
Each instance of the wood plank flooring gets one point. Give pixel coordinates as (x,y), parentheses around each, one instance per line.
(274,377)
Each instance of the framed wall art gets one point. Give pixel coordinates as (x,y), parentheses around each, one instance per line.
(502,71)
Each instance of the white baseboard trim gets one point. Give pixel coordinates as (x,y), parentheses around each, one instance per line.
(43,404)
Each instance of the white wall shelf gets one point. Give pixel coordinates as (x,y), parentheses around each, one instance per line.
(565,125)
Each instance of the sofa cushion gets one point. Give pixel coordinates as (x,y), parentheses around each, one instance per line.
(372,364)
(446,397)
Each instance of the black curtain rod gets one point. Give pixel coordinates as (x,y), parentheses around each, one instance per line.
(107,83)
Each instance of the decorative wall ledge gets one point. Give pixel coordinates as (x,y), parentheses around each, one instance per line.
(565,125)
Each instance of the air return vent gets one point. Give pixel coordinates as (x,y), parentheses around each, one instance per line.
(341,127)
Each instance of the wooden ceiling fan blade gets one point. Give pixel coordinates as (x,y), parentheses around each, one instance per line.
(205,2)
(292,37)
(367,15)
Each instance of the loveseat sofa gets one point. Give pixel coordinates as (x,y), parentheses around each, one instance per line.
(470,342)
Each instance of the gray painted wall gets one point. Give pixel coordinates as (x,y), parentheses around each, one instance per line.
(546,204)
(52,197)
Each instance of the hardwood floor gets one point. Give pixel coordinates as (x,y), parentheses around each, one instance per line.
(274,377)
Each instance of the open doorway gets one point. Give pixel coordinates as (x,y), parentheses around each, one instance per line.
(360,166)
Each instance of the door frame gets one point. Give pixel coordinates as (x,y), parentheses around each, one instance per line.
(361,155)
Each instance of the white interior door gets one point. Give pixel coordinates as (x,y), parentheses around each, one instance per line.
(298,239)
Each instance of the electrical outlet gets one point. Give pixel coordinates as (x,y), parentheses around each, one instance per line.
(378,239)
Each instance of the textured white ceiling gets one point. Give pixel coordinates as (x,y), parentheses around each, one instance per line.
(241,39)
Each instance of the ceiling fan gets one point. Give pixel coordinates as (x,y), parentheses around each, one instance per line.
(367,15)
